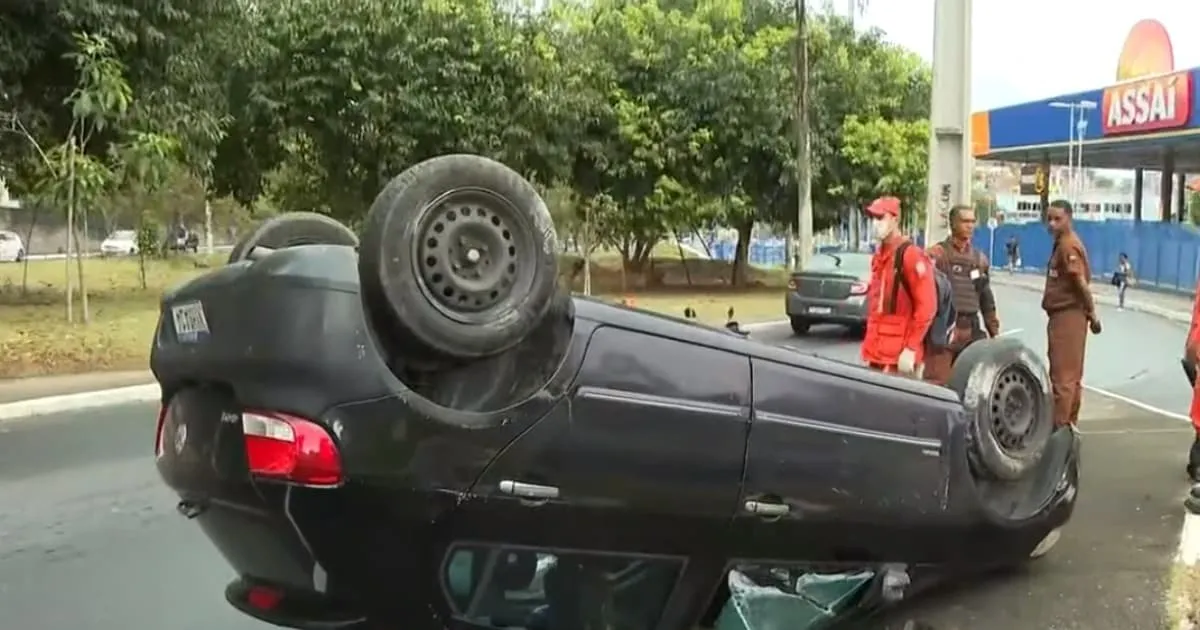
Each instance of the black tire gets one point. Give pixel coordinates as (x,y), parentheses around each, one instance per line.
(1005,391)
(291,229)
(20,255)
(800,325)
(449,285)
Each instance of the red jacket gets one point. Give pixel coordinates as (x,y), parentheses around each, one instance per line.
(888,333)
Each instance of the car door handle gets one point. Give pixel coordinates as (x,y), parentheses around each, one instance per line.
(528,490)
(762,508)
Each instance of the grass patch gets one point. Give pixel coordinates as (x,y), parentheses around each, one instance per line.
(712,307)
(1183,597)
(35,338)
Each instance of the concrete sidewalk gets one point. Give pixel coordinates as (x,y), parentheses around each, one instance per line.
(19,389)
(1173,306)
(1113,566)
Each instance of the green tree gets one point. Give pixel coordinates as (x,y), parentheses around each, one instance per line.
(889,157)
(67,174)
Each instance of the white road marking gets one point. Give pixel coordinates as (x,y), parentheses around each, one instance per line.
(1179,430)
(1137,403)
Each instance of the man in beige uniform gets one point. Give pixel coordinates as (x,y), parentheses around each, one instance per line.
(1070,312)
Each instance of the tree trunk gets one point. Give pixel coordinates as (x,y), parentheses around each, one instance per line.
(687,272)
(70,231)
(741,253)
(803,141)
(83,298)
(37,208)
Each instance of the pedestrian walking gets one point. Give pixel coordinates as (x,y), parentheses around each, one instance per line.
(968,271)
(1121,278)
(1012,250)
(1070,311)
(897,320)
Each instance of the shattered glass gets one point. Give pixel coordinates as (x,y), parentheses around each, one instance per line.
(779,599)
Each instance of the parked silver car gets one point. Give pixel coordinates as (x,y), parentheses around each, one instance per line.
(833,289)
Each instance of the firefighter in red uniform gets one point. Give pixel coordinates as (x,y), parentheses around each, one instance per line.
(1193,353)
(895,339)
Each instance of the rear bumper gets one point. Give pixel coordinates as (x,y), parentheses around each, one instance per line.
(850,310)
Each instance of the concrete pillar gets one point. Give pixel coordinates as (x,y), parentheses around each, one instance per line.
(1165,186)
(1181,214)
(1139,182)
(950,160)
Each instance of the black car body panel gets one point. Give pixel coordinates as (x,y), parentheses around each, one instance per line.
(641,448)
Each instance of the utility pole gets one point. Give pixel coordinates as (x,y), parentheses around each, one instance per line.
(950,159)
(804,247)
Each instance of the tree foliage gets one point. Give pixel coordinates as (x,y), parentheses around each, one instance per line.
(647,118)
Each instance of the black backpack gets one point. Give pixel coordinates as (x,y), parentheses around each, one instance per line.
(946,317)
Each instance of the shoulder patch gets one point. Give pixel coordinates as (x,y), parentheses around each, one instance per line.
(920,268)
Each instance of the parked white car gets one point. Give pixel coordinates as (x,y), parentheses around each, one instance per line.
(120,243)
(12,248)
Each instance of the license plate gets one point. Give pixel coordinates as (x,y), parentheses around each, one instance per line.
(820,310)
(190,322)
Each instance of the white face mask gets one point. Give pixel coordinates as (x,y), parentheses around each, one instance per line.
(881,228)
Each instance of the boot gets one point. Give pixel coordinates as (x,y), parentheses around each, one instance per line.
(1193,467)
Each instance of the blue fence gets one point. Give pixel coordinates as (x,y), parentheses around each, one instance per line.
(1163,254)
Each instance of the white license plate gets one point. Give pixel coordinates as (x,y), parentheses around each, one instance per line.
(190,322)
(820,310)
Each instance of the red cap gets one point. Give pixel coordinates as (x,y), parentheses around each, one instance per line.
(884,206)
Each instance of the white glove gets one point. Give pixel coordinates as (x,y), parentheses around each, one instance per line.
(907,364)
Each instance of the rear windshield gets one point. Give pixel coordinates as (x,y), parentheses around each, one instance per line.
(845,263)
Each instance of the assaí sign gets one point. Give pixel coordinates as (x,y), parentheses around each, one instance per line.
(1150,104)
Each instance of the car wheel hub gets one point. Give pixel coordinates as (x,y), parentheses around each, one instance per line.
(468,255)
(1014,410)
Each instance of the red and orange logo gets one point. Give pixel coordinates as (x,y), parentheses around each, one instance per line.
(1163,102)
(1147,52)
(1148,97)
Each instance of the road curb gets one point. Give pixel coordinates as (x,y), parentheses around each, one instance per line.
(76,402)
(1182,589)
(1132,305)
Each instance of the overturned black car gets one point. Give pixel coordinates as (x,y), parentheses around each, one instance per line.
(422,430)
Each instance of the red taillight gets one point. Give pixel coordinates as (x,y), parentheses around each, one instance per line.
(263,598)
(858,288)
(279,446)
(158,432)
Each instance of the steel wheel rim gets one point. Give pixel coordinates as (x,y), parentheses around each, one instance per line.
(472,255)
(1015,408)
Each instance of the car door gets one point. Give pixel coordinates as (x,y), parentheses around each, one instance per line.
(612,511)
(837,470)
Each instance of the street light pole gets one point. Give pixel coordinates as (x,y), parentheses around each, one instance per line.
(1075,144)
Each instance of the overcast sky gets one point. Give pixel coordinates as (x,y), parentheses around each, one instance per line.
(1011,37)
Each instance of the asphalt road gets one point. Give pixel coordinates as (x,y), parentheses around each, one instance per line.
(89,538)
